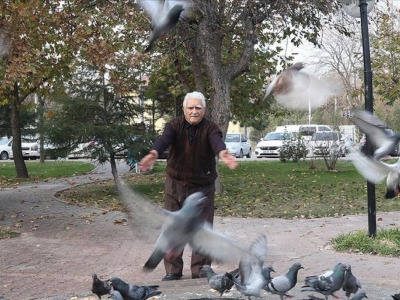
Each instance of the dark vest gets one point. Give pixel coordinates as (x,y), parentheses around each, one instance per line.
(192,164)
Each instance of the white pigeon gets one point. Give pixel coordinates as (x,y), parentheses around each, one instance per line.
(376,171)
(376,131)
(164,16)
(250,269)
(296,89)
(187,226)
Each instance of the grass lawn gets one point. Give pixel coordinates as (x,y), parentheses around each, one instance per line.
(260,189)
(38,171)
(263,189)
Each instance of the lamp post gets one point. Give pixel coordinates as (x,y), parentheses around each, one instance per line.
(365,8)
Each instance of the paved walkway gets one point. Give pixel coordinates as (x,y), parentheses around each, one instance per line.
(62,245)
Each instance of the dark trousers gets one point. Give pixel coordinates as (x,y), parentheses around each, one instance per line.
(175,195)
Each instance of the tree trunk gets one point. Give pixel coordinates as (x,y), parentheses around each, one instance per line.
(114,172)
(20,166)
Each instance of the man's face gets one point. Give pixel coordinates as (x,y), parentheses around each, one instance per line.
(194,111)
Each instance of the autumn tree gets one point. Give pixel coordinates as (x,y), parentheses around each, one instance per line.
(40,39)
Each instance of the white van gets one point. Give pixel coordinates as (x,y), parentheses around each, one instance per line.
(306,131)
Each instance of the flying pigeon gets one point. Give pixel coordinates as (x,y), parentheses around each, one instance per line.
(375,130)
(326,285)
(376,171)
(220,282)
(115,295)
(250,269)
(134,292)
(266,272)
(164,16)
(100,287)
(396,296)
(351,283)
(187,226)
(296,89)
(280,285)
(360,295)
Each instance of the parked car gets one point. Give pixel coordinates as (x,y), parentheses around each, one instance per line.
(30,149)
(326,142)
(5,148)
(271,144)
(238,144)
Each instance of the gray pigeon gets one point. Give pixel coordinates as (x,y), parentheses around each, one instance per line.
(297,90)
(266,272)
(359,295)
(115,295)
(326,285)
(376,171)
(220,282)
(396,296)
(280,285)
(351,283)
(100,287)
(375,130)
(164,16)
(250,269)
(134,292)
(187,226)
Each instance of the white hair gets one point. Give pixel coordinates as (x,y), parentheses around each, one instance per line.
(194,95)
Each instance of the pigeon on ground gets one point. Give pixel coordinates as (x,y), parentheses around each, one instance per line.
(326,285)
(298,90)
(375,130)
(187,226)
(280,285)
(164,16)
(375,171)
(250,269)
(360,295)
(220,282)
(134,292)
(266,272)
(115,295)
(396,296)
(100,287)
(351,283)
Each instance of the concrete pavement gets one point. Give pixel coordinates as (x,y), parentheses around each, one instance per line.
(62,245)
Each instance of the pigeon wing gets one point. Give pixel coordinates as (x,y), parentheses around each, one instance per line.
(372,170)
(216,245)
(373,127)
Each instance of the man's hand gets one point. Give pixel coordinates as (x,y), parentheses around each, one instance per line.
(228,159)
(148,161)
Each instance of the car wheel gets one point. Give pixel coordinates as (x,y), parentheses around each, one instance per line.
(241,153)
(4,155)
(249,154)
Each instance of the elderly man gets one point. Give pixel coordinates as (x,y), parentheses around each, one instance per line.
(193,143)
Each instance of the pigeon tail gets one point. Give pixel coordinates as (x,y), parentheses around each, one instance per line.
(154,259)
(238,285)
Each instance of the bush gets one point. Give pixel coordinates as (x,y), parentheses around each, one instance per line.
(293,149)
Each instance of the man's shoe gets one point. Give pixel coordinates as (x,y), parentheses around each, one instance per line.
(201,275)
(170,276)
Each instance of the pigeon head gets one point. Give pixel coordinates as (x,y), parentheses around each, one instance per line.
(117,283)
(176,11)
(95,278)
(296,266)
(194,202)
